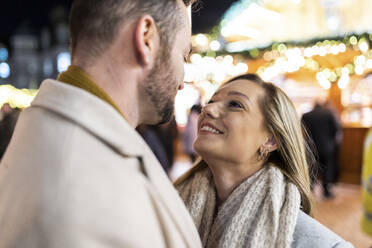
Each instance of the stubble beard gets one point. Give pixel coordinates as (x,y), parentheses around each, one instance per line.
(160,85)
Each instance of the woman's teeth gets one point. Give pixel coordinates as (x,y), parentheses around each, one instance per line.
(210,129)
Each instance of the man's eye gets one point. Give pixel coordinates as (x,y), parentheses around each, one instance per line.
(235,104)
(210,101)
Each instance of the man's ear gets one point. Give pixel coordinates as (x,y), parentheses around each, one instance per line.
(146,40)
(270,144)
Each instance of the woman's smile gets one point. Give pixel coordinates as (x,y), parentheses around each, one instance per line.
(207,128)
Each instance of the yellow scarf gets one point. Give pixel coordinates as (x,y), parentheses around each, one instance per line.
(78,78)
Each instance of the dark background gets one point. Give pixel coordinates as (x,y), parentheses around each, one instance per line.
(17,14)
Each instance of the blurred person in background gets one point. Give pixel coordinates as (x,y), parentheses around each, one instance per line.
(251,187)
(161,139)
(5,109)
(191,130)
(339,139)
(322,126)
(150,135)
(76,173)
(367,185)
(7,124)
(168,134)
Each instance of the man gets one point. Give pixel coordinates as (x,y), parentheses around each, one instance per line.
(323,127)
(76,173)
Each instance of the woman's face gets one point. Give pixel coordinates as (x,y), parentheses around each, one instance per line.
(230,126)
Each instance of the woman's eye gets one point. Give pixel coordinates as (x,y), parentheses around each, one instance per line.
(210,101)
(235,104)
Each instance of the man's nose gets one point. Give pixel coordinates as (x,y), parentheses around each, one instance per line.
(181,86)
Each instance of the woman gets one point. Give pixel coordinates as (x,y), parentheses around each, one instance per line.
(252,186)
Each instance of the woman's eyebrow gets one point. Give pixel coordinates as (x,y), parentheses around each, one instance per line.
(237,93)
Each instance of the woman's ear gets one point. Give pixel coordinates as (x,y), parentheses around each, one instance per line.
(270,144)
(146,40)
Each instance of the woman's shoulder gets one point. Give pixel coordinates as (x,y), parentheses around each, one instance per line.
(310,233)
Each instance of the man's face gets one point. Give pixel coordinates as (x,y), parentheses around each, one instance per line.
(166,77)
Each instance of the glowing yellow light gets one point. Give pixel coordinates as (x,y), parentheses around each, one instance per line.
(238,29)
(225,32)
(214,70)
(333,77)
(282,48)
(350,68)
(268,56)
(363,46)
(335,50)
(242,68)
(189,75)
(16,97)
(322,51)
(254,53)
(228,59)
(261,70)
(311,64)
(359,70)
(308,52)
(5,93)
(345,71)
(219,76)
(353,40)
(369,64)
(215,45)
(339,71)
(327,73)
(201,40)
(196,58)
(360,60)
(344,79)
(342,47)
(323,81)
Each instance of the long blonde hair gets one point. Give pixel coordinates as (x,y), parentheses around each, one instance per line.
(293,155)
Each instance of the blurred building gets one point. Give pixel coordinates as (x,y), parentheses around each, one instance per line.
(25,60)
(36,55)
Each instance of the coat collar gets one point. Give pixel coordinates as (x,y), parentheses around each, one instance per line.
(75,76)
(91,113)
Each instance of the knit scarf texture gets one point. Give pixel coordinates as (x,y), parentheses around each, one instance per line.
(77,77)
(261,212)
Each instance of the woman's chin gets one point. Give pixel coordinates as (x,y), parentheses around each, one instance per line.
(206,152)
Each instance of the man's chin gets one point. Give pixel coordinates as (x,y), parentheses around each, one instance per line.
(167,115)
(161,118)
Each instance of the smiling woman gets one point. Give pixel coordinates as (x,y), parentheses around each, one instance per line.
(251,187)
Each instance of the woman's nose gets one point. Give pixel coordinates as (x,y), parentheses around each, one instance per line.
(211,110)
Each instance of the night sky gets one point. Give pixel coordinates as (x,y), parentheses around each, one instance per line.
(36,14)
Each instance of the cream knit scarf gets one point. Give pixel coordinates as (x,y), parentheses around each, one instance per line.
(260,212)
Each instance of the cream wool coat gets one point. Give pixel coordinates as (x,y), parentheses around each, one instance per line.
(77,175)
